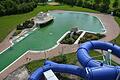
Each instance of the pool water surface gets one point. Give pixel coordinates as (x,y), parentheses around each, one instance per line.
(47,37)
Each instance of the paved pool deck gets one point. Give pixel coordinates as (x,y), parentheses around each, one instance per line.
(113,29)
(6,42)
(111,26)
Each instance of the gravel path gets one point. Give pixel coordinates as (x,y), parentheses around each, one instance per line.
(19,74)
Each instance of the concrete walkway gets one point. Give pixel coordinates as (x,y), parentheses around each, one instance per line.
(6,42)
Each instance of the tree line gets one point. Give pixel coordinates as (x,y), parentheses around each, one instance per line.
(99,5)
(8,7)
(116,8)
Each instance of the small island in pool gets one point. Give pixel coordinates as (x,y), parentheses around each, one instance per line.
(43,19)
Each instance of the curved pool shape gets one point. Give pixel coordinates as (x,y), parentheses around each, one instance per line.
(42,39)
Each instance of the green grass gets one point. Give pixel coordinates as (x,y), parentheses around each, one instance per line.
(38,63)
(117,20)
(34,65)
(117,40)
(8,23)
(71,58)
(96,55)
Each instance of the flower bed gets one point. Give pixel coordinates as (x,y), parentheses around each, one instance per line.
(91,36)
(26,24)
(70,39)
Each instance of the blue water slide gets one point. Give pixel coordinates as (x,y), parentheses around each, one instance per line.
(92,69)
(62,68)
(83,52)
(103,73)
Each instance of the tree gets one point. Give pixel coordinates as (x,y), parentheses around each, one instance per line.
(115,4)
(26,7)
(43,1)
(103,8)
(98,1)
(80,3)
(72,2)
(117,12)
(105,5)
(2,10)
(106,2)
(61,1)
(8,7)
(87,4)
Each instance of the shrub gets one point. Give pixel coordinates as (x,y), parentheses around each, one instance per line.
(16,32)
(75,37)
(82,40)
(100,35)
(94,37)
(117,12)
(91,36)
(59,59)
(26,24)
(20,27)
(70,39)
(80,3)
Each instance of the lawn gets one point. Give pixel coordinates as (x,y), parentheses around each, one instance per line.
(71,58)
(8,23)
(117,40)
(117,20)
(38,63)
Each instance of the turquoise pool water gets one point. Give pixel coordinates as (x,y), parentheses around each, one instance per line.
(45,38)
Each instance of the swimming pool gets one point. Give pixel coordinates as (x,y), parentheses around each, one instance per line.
(47,37)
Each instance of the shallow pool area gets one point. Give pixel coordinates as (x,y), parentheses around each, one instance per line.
(47,37)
